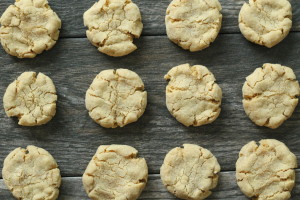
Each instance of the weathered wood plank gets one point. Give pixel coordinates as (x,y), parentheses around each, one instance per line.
(227,189)
(153,13)
(72,137)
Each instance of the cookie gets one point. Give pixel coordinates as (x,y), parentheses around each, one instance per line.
(193,24)
(28,28)
(112,26)
(266,22)
(31,98)
(190,172)
(115,172)
(266,171)
(116,98)
(192,96)
(270,95)
(31,173)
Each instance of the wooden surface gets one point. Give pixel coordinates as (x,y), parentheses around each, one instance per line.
(72,137)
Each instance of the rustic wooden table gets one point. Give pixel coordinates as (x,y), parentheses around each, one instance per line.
(72,137)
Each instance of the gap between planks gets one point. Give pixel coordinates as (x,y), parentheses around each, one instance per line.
(237,32)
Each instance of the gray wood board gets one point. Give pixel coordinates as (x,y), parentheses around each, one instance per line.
(227,189)
(153,13)
(72,137)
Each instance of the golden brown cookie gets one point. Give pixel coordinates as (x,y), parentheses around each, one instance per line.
(28,28)
(116,98)
(112,26)
(265,171)
(190,172)
(32,98)
(193,24)
(31,174)
(192,95)
(115,172)
(270,95)
(266,22)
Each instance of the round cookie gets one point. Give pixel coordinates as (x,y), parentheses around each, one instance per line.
(31,173)
(28,28)
(193,24)
(116,98)
(192,96)
(266,171)
(270,95)
(266,22)
(190,172)
(112,26)
(115,172)
(32,98)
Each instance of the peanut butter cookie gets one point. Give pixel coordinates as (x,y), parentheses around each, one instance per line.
(193,24)
(115,172)
(112,26)
(31,173)
(270,95)
(266,22)
(192,96)
(32,98)
(28,28)
(266,171)
(190,172)
(116,98)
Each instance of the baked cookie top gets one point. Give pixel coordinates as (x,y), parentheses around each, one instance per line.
(192,96)
(116,98)
(28,28)
(270,95)
(193,24)
(190,172)
(266,22)
(32,98)
(266,171)
(115,172)
(112,25)
(31,173)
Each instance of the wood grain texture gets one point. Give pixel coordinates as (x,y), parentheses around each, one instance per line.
(72,137)
(153,14)
(227,189)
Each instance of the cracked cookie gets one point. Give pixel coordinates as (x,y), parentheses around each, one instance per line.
(266,22)
(32,98)
(28,28)
(270,95)
(112,26)
(31,174)
(192,96)
(115,172)
(116,98)
(193,24)
(190,172)
(266,171)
